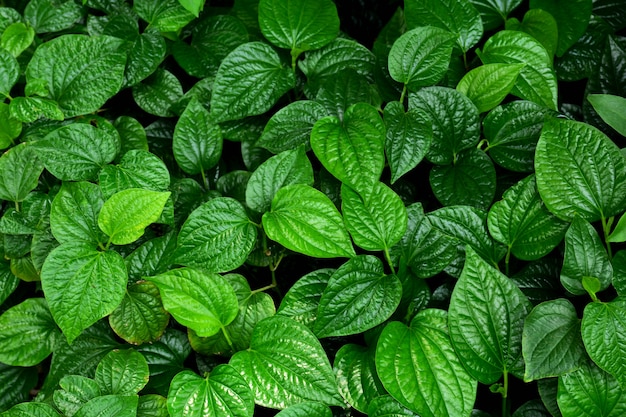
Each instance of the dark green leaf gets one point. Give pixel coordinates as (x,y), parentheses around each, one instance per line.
(572,18)
(306,409)
(9,72)
(164,15)
(494,12)
(611,109)
(487,85)
(151,258)
(342,90)
(52,15)
(158,93)
(32,409)
(15,385)
(20,169)
(8,283)
(540,25)
(74,392)
(387,406)
(166,358)
(122,372)
(302,300)
(110,406)
(152,405)
(10,128)
(147,52)
(532,408)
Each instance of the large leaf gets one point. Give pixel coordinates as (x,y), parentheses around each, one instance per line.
(418,367)
(20,169)
(344,89)
(358,297)
(52,15)
(487,85)
(580,171)
(217,236)
(486,319)
(122,372)
(552,344)
(147,53)
(249,81)
(82,285)
(286,365)
(304,220)
(81,72)
(202,301)
(221,393)
(572,18)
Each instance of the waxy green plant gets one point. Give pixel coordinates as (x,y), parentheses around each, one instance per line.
(237,209)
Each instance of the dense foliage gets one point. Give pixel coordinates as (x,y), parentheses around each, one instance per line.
(263,208)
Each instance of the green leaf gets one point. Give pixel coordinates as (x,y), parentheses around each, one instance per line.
(459,17)
(421,56)
(611,109)
(137,169)
(147,52)
(387,406)
(74,392)
(197,140)
(494,12)
(552,344)
(132,134)
(604,335)
(166,358)
(110,406)
(580,171)
(455,121)
(16,38)
(82,285)
(590,392)
(217,236)
(487,85)
(521,221)
(571,23)
(306,409)
(31,409)
(221,393)
(286,168)
(304,220)
(9,71)
(74,214)
(351,149)
(126,214)
(52,15)
(470,180)
(249,81)
(140,317)
(540,25)
(29,109)
(82,72)
(8,282)
(302,300)
(193,6)
(27,333)
(202,301)
(486,319)
(152,405)
(20,169)
(418,367)
(536,81)
(77,151)
(299,25)
(10,128)
(15,385)
(286,365)
(344,89)
(376,218)
(122,372)
(619,232)
(164,16)
(619,272)
(409,135)
(158,93)
(532,408)
(358,297)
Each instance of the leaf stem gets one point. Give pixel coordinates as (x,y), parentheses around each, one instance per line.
(505,391)
(402,95)
(205,184)
(606,226)
(227,337)
(17,206)
(388,258)
(506,261)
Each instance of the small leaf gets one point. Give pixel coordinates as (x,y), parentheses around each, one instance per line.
(20,169)
(619,232)
(611,109)
(122,372)
(31,409)
(386,405)
(16,38)
(302,300)
(571,25)
(304,220)
(487,85)
(193,6)
(166,358)
(494,12)
(147,52)
(10,128)
(137,169)
(47,16)
(29,109)
(158,93)
(165,15)
(344,89)
(541,25)
(75,391)
(306,409)
(152,405)
(9,72)
(110,406)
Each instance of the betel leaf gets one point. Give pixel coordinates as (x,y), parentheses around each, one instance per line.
(132,134)
(193,6)
(74,392)
(27,333)
(376,218)
(358,297)
(9,72)
(197,142)
(285,365)
(16,38)
(494,12)
(221,393)
(351,149)
(619,272)
(302,300)
(82,285)
(521,221)
(288,167)
(487,85)
(579,171)
(151,258)
(52,15)
(15,385)
(418,367)
(31,409)
(590,392)
(29,109)
(203,301)
(541,25)
(152,405)
(165,16)
(409,135)
(8,281)
(572,23)
(110,406)
(531,408)
(122,372)
(387,406)
(604,335)
(611,109)
(304,220)
(148,51)
(249,81)
(306,409)
(74,214)
(217,236)
(421,56)
(10,128)
(20,169)
(126,214)
(486,319)
(619,231)
(455,121)
(77,151)
(81,72)
(166,358)
(552,344)
(137,169)
(342,90)
(299,25)
(158,93)
(585,256)
(458,17)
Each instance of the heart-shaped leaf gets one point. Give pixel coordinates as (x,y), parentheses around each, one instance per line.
(137,169)
(489,84)
(571,24)
(20,169)
(165,16)
(75,391)
(122,372)
(158,93)
(9,72)
(303,298)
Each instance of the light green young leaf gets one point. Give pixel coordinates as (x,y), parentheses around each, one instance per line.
(20,169)
(540,25)
(304,220)
(286,365)
(619,232)
(419,368)
(487,85)
(580,171)
(221,393)
(202,301)
(193,6)
(126,214)
(110,406)
(158,93)
(16,38)
(9,72)
(572,24)
(27,333)
(82,285)
(217,236)
(122,372)
(197,142)
(299,25)
(249,81)
(421,56)
(74,392)
(164,15)
(612,109)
